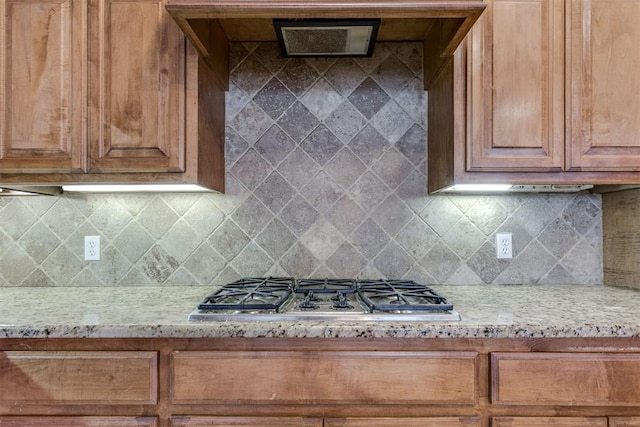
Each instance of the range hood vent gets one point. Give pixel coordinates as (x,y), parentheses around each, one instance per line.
(326,37)
(316,28)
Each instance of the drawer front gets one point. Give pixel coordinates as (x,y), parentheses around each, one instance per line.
(82,377)
(78,421)
(402,422)
(548,421)
(245,422)
(624,422)
(324,377)
(565,379)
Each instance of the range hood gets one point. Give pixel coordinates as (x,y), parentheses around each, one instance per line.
(440,24)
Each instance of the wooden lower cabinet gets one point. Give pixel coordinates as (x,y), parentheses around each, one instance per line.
(548,421)
(246,422)
(588,379)
(78,421)
(336,377)
(299,382)
(402,422)
(624,421)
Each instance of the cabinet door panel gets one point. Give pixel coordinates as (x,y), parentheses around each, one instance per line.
(593,379)
(136,57)
(402,422)
(515,87)
(245,422)
(77,421)
(624,422)
(42,65)
(604,85)
(324,377)
(548,421)
(67,377)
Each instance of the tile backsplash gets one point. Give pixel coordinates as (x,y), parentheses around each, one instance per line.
(326,177)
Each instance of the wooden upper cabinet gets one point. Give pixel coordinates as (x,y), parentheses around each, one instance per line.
(604,85)
(515,85)
(136,88)
(42,85)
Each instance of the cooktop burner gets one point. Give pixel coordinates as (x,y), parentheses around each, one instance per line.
(286,298)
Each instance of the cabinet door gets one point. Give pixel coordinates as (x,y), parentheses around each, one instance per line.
(42,81)
(624,422)
(245,422)
(548,421)
(136,72)
(604,85)
(589,379)
(516,87)
(78,421)
(331,377)
(402,422)
(78,377)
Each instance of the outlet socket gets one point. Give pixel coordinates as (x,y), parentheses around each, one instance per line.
(92,248)
(504,245)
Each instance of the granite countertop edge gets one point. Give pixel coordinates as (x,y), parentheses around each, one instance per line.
(487,311)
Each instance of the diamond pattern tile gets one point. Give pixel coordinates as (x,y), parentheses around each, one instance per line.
(250,75)
(368,98)
(298,168)
(275,192)
(369,145)
(326,177)
(345,168)
(298,121)
(275,239)
(251,122)
(298,76)
(298,215)
(392,75)
(392,122)
(251,216)
(321,99)
(346,261)
(345,121)
(321,145)
(274,145)
(345,76)
(274,98)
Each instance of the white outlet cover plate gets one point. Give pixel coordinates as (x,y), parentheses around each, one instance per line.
(504,245)
(92,248)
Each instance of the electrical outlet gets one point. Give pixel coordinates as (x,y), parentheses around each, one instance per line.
(92,248)
(504,245)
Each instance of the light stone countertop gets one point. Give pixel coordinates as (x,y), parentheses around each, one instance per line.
(488,311)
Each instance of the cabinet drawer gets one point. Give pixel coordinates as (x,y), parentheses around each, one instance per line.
(77,421)
(548,421)
(324,377)
(402,422)
(83,377)
(565,379)
(246,422)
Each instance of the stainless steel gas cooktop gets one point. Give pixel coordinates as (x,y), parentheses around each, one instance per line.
(286,298)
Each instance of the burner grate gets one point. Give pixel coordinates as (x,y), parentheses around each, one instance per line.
(400,295)
(260,293)
(325,286)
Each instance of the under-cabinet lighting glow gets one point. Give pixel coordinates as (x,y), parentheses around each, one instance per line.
(517,188)
(489,188)
(8,192)
(130,188)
